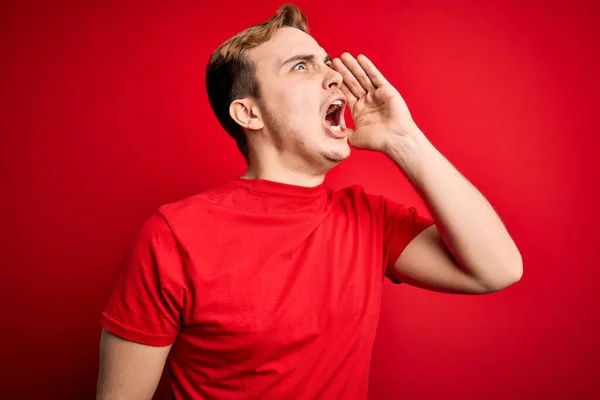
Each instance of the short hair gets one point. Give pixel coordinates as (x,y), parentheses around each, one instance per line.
(231,75)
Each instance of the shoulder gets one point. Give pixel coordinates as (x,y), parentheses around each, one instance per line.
(360,198)
(188,212)
(197,203)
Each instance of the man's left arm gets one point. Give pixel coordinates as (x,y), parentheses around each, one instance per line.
(468,249)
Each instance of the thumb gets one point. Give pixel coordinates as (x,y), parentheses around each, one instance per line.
(353,138)
(350,133)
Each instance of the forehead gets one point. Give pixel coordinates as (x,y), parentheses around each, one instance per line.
(285,43)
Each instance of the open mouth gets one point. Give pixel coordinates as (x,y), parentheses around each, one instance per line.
(334,117)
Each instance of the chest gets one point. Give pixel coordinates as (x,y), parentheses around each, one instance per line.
(270,284)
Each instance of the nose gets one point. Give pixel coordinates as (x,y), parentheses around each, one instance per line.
(332,79)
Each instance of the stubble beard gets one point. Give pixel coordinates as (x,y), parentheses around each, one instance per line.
(335,156)
(327,156)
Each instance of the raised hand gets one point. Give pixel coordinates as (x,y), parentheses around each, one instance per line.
(377,108)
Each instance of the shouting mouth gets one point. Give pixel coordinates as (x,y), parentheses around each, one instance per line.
(334,118)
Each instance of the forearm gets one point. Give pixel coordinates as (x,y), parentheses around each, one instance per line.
(467,223)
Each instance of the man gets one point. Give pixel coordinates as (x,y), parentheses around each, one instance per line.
(268,287)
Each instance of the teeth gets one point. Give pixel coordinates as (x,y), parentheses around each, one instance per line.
(336,128)
(334,106)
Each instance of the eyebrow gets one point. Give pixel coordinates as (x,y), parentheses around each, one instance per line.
(305,57)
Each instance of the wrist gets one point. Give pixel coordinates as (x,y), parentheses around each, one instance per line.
(414,154)
(410,151)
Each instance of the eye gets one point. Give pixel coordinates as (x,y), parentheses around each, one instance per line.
(302,64)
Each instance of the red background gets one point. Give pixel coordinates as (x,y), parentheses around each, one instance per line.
(104,117)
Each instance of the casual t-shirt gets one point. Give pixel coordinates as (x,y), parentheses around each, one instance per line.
(266,290)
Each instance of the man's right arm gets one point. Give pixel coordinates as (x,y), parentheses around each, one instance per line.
(128,370)
(143,314)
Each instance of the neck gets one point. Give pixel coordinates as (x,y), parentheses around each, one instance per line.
(276,169)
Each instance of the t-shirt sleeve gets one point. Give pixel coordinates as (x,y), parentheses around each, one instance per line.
(146,302)
(401,224)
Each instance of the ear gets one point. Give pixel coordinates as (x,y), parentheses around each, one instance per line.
(246,113)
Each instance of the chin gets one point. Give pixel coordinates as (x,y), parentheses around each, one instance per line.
(338,152)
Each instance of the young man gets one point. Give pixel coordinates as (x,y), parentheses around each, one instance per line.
(269,286)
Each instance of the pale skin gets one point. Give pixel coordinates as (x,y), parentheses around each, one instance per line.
(468,250)
(128,370)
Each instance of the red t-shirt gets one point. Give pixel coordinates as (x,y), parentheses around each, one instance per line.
(266,290)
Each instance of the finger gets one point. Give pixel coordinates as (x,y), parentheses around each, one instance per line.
(371,70)
(357,70)
(351,99)
(349,79)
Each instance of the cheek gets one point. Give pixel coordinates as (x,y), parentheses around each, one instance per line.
(303,107)
(293,108)
(293,111)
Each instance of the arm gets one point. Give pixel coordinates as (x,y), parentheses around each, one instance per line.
(128,370)
(143,315)
(468,250)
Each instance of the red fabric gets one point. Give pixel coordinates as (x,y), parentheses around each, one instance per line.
(267,290)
